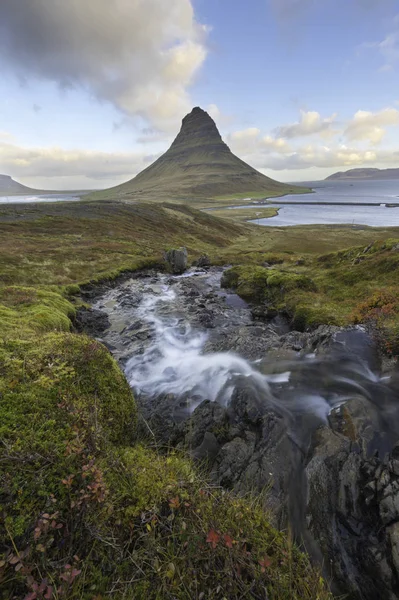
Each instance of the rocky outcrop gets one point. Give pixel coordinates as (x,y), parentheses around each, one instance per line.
(353,502)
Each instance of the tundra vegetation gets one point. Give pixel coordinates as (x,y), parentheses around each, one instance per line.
(88,509)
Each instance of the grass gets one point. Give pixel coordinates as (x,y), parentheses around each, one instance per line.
(77,242)
(358,285)
(242,215)
(87,511)
(262,196)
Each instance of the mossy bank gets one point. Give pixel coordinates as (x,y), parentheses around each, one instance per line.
(359,285)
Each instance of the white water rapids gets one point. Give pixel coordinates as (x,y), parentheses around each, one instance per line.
(174,363)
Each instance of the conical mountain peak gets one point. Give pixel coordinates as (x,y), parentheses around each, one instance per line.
(197,165)
(197,128)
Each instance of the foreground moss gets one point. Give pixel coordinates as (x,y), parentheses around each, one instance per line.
(88,513)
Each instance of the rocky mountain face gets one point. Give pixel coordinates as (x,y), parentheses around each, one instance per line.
(198,164)
(365,174)
(10,187)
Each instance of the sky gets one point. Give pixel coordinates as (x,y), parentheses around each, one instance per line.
(92,92)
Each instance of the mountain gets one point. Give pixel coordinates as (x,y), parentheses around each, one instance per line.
(365,174)
(9,187)
(198,164)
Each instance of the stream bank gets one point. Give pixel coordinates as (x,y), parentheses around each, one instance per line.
(304,416)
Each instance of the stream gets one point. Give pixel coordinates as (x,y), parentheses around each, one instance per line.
(186,337)
(309,416)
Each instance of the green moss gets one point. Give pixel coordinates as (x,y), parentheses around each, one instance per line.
(261,284)
(341,288)
(26,311)
(87,512)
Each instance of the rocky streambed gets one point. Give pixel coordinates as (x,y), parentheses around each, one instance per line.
(306,420)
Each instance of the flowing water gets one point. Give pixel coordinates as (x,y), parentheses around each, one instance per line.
(158,335)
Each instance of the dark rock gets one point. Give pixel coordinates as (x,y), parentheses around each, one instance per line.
(208,449)
(176,260)
(203,262)
(91,321)
(353,503)
(262,312)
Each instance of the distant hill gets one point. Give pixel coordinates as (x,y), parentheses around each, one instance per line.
(198,165)
(365,174)
(9,187)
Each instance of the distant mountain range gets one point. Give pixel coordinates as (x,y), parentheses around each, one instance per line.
(365,174)
(9,187)
(198,165)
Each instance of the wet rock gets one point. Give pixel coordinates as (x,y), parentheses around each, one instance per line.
(263,312)
(207,450)
(91,321)
(203,262)
(353,499)
(176,260)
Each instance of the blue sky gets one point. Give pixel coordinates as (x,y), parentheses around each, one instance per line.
(92,92)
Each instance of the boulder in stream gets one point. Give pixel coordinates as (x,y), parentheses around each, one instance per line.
(176,259)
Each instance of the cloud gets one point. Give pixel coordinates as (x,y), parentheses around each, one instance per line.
(387,48)
(250,141)
(311,156)
(286,151)
(56,168)
(141,55)
(368,126)
(310,123)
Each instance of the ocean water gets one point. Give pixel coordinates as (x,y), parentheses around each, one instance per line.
(375,193)
(40,198)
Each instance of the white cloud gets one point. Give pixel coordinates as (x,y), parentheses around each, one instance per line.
(56,168)
(310,123)
(140,55)
(326,150)
(314,156)
(251,141)
(369,126)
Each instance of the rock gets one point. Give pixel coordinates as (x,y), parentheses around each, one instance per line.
(177,260)
(208,450)
(203,262)
(353,502)
(91,321)
(263,312)
(332,476)
(393,532)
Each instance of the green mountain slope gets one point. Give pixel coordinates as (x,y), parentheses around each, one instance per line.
(198,165)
